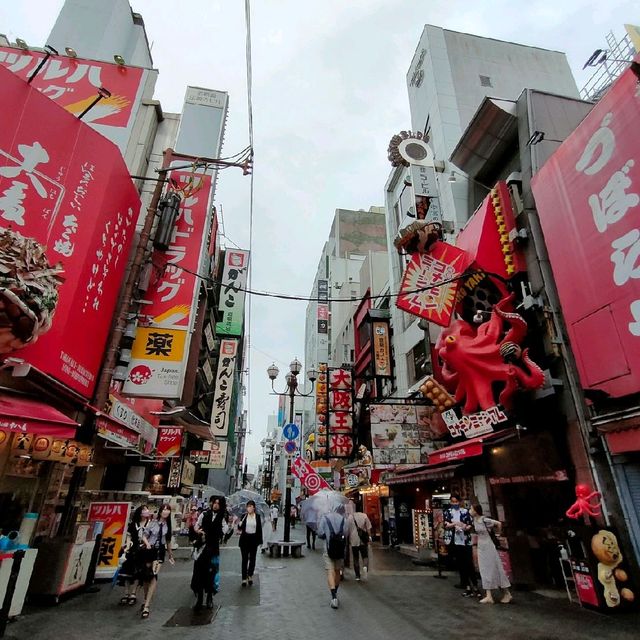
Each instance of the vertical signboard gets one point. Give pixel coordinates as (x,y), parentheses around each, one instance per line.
(232,292)
(340,416)
(223,388)
(67,217)
(588,194)
(321,411)
(160,352)
(381,349)
(169,442)
(425,191)
(115,516)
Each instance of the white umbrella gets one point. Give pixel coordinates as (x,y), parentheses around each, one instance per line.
(237,503)
(313,508)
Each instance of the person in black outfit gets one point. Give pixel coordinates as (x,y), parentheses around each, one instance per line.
(130,571)
(250,528)
(211,527)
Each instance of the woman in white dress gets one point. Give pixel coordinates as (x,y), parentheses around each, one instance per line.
(491,570)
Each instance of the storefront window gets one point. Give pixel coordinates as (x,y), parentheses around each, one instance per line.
(418,362)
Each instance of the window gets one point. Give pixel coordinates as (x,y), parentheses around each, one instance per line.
(485,81)
(418,362)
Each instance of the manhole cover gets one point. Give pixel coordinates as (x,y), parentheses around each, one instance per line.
(187,617)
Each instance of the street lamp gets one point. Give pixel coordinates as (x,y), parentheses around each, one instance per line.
(292,391)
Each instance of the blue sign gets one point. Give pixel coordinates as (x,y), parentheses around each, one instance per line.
(290,446)
(290,431)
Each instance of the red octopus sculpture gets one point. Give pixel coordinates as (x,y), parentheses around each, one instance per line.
(477,357)
(583,506)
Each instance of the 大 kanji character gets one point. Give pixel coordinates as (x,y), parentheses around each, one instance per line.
(625,266)
(32,156)
(612,203)
(340,379)
(603,143)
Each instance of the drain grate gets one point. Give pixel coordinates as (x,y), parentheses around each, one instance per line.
(187,617)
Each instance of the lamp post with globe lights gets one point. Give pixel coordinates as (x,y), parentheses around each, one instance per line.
(292,391)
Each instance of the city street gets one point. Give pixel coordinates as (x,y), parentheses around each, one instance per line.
(289,600)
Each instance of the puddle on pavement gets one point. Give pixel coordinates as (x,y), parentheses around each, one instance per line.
(187,617)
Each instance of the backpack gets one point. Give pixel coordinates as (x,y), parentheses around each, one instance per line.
(337,542)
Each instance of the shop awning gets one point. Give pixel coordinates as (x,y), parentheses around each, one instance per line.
(437,473)
(468,448)
(622,435)
(24,415)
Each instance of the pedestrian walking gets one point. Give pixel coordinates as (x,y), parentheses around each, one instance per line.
(492,572)
(458,526)
(189,521)
(274,516)
(334,530)
(156,538)
(129,574)
(211,528)
(293,514)
(359,536)
(311,538)
(250,528)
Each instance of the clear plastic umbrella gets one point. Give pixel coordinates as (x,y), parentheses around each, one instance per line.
(325,501)
(237,503)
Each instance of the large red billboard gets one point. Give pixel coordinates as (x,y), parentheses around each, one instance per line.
(68,210)
(73,83)
(588,200)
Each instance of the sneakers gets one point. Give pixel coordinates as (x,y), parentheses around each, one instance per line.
(250,580)
(334,603)
(357,578)
(244,583)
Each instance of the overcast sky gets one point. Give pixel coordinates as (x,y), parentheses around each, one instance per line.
(328,93)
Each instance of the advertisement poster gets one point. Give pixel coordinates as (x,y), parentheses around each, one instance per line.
(430,283)
(73,84)
(115,516)
(169,442)
(67,210)
(232,294)
(217,455)
(381,349)
(160,351)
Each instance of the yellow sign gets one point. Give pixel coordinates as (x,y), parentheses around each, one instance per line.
(155,343)
(634,35)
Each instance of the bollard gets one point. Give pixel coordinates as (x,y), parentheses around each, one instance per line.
(11,587)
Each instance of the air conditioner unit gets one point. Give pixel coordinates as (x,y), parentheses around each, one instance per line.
(120,373)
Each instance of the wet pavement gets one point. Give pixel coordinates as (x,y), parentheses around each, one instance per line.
(289,600)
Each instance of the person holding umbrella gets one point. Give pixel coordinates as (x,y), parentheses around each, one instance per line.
(250,528)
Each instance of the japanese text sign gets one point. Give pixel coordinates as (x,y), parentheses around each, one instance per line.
(429,284)
(73,84)
(66,188)
(217,455)
(223,388)
(115,516)
(169,442)
(340,413)
(232,292)
(589,193)
(381,349)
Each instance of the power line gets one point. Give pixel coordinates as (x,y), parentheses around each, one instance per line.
(286,296)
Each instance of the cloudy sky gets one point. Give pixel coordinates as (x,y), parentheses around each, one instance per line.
(328,93)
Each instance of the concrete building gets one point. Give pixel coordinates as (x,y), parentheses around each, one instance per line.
(450,75)
(356,237)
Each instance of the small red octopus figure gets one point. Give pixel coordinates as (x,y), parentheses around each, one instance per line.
(583,506)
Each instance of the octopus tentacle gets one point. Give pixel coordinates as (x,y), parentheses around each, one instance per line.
(518,329)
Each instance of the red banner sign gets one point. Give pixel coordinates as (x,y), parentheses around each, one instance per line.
(309,478)
(66,191)
(429,284)
(588,196)
(169,442)
(73,83)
